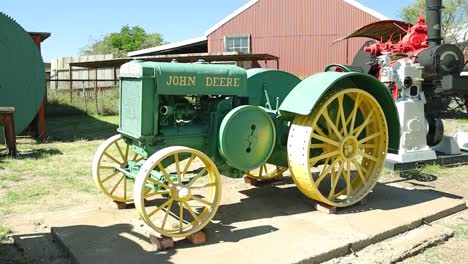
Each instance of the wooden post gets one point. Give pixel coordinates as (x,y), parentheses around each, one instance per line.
(70,72)
(115,76)
(84,95)
(96,91)
(8,122)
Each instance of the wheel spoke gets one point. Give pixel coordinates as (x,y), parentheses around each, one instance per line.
(314,160)
(347,178)
(164,172)
(125,188)
(176,161)
(166,214)
(358,168)
(156,193)
(354,113)
(325,171)
(364,124)
(181,217)
(110,176)
(325,139)
(203,186)
(117,184)
(127,148)
(365,155)
(364,140)
(107,167)
(192,157)
(331,124)
(320,132)
(198,199)
(160,207)
(313,146)
(194,179)
(335,181)
(120,151)
(261,170)
(112,158)
(194,215)
(160,184)
(342,114)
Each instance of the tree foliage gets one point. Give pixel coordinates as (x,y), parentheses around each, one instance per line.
(454,19)
(120,43)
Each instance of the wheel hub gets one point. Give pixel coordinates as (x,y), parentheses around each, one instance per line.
(180,193)
(349,147)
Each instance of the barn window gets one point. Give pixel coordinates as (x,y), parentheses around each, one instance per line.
(237,43)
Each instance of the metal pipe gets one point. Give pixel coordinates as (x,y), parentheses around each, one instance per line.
(434,22)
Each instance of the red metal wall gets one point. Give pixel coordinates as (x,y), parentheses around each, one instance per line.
(299,32)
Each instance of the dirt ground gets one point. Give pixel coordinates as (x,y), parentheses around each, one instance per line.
(26,216)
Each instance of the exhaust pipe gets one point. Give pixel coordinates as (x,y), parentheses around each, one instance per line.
(434,22)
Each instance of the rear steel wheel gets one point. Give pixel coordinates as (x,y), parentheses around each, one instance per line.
(337,152)
(186,187)
(114,152)
(266,172)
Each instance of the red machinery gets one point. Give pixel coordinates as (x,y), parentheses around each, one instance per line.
(421,72)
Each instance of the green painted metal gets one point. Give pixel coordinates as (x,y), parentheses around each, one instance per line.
(247,137)
(268,87)
(306,95)
(240,128)
(22,74)
(185,79)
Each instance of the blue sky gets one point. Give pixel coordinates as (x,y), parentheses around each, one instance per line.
(74,23)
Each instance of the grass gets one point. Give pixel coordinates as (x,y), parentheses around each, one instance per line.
(433,169)
(59,104)
(4,231)
(48,174)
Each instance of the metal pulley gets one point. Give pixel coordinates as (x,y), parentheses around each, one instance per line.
(246,138)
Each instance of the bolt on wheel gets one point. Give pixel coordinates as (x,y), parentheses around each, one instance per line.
(346,142)
(112,153)
(186,191)
(266,172)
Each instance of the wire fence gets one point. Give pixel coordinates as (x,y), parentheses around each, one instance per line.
(90,96)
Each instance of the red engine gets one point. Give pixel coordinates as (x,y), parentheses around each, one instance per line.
(413,41)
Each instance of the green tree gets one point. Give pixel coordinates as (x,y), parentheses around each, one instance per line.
(454,19)
(120,43)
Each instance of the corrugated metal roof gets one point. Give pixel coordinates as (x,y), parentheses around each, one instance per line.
(170,46)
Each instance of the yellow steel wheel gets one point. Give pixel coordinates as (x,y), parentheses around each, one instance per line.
(266,172)
(188,194)
(114,152)
(337,152)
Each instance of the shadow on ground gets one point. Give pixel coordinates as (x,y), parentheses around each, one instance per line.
(10,254)
(120,241)
(78,127)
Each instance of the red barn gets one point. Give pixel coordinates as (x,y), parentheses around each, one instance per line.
(299,32)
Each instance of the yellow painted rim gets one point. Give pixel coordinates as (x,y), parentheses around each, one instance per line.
(266,172)
(190,211)
(113,152)
(337,152)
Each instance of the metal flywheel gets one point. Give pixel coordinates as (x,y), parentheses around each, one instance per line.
(22,74)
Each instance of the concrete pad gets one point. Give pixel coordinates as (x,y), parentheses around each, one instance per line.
(273,223)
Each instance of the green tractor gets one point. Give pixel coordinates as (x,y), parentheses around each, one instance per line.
(183,124)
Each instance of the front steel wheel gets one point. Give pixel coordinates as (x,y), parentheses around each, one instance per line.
(186,189)
(114,153)
(336,153)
